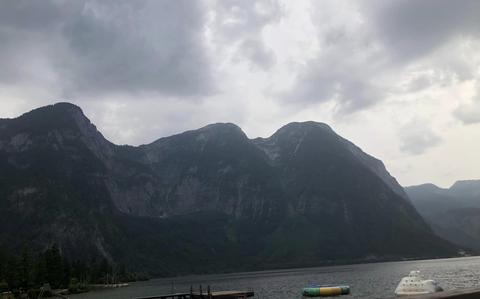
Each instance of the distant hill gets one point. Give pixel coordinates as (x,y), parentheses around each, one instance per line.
(454,213)
(206,200)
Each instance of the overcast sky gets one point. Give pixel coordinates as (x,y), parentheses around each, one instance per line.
(401,79)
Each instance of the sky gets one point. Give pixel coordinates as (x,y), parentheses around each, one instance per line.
(399,78)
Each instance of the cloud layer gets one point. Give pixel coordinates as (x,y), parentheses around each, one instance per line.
(94,48)
(407,70)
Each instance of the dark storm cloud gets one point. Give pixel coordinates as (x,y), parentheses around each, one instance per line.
(33,15)
(366,48)
(101,47)
(412,28)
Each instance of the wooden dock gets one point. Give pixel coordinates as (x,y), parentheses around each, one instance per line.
(206,295)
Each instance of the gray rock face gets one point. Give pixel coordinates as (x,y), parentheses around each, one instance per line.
(215,168)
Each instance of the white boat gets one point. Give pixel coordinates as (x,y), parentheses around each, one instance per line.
(414,284)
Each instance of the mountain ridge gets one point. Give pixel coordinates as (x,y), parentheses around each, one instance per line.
(452,212)
(303,196)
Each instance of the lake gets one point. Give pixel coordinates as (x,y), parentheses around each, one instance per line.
(377,280)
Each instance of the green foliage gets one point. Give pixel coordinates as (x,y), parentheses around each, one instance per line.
(76,286)
(3,286)
(3,263)
(54,263)
(12,275)
(27,273)
(40,270)
(26,270)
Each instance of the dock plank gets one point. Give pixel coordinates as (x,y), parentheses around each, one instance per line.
(204,295)
(167,296)
(225,295)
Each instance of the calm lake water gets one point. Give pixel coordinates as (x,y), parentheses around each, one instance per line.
(366,280)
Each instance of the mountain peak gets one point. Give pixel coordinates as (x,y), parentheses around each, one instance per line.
(67,106)
(296,131)
(466,188)
(221,127)
(465,184)
(222,131)
(62,120)
(215,131)
(61,115)
(425,187)
(306,125)
(60,107)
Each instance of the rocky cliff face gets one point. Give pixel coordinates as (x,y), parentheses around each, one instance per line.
(303,196)
(215,168)
(54,164)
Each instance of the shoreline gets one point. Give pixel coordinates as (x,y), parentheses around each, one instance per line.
(293,269)
(109,286)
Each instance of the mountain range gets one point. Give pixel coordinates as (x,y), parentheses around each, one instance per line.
(206,200)
(453,213)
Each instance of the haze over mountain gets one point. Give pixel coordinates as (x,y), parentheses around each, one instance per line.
(453,213)
(205,200)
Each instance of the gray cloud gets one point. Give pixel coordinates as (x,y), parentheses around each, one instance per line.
(469,113)
(243,18)
(255,51)
(367,46)
(419,83)
(411,29)
(416,137)
(325,81)
(101,47)
(240,23)
(34,15)
(346,69)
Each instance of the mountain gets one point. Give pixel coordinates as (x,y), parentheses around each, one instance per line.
(206,200)
(453,213)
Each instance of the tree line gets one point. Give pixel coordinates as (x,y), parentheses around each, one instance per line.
(28,271)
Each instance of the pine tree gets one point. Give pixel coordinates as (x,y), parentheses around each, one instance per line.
(54,265)
(12,275)
(3,263)
(40,270)
(66,273)
(25,270)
